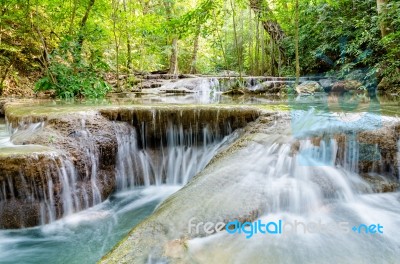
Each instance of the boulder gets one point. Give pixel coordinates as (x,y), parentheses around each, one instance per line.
(3,102)
(326,83)
(309,87)
(271,87)
(346,85)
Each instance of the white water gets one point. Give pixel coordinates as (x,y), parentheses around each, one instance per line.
(305,187)
(82,237)
(4,135)
(310,188)
(174,163)
(89,234)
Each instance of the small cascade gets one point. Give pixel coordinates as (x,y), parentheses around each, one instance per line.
(33,190)
(53,187)
(69,195)
(79,161)
(181,154)
(298,182)
(351,154)
(4,135)
(398,159)
(302,185)
(126,162)
(91,163)
(324,153)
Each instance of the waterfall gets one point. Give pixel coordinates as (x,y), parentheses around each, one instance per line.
(57,172)
(398,159)
(305,189)
(181,154)
(52,188)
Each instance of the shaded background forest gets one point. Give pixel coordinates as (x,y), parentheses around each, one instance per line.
(77,46)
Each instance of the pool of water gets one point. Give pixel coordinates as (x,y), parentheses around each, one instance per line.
(83,237)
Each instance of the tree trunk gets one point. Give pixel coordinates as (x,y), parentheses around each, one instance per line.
(193,69)
(173,62)
(272,27)
(263,51)
(115,6)
(81,37)
(297,43)
(220,41)
(236,38)
(251,43)
(128,42)
(73,14)
(257,53)
(382,11)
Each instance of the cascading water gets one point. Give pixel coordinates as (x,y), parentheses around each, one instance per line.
(315,180)
(175,162)
(308,192)
(145,174)
(55,170)
(4,135)
(307,187)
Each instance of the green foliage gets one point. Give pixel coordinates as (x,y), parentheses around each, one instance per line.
(70,76)
(390,62)
(336,37)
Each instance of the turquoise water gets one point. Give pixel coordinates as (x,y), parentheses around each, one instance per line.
(83,237)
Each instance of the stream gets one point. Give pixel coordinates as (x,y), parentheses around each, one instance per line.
(90,234)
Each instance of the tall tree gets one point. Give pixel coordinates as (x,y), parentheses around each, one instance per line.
(173,61)
(193,63)
(115,16)
(382,11)
(297,42)
(238,54)
(272,27)
(84,20)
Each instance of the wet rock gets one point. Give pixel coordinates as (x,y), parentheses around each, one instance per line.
(175,249)
(17,214)
(309,87)
(2,103)
(229,73)
(326,84)
(346,85)
(75,147)
(24,174)
(235,92)
(381,184)
(270,87)
(381,156)
(152,123)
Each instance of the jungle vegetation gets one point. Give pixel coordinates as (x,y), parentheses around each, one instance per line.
(74,46)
